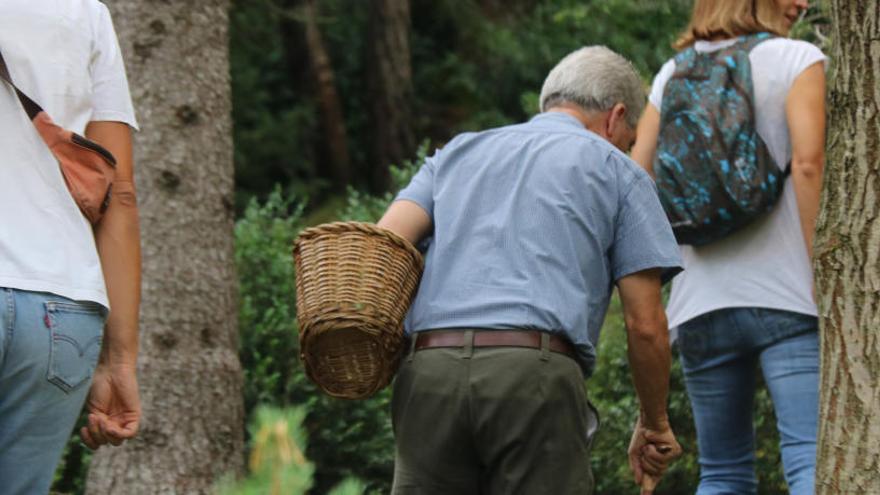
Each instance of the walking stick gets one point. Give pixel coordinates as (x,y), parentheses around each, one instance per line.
(648,484)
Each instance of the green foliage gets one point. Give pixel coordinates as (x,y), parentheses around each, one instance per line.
(482,66)
(815,25)
(267,308)
(364,207)
(277,462)
(475,64)
(348,438)
(349,486)
(274,121)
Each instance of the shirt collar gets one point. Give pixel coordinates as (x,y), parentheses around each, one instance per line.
(561,118)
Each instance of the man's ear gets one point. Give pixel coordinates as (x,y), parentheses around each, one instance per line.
(615,117)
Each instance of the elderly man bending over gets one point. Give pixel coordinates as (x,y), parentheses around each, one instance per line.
(528,227)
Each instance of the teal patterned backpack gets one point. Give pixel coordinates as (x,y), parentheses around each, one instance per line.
(714,173)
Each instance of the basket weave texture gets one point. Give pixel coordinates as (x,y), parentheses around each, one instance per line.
(354,285)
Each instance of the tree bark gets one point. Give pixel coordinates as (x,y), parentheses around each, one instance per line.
(192,428)
(847,261)
(331,115)
(390,89)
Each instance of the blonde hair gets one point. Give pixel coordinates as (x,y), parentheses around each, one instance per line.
(720,19)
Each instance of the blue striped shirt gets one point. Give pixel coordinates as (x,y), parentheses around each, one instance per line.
(533,223)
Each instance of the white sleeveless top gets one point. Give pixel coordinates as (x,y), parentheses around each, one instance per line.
(766,264)
(63,54)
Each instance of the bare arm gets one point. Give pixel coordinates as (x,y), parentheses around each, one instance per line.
(646,139)
(406,219)
(114,401)
(653,446)
(647,343)
(805,113)
(118,240)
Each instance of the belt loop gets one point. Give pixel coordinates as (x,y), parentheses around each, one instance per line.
(545,346)
(412,346)
(468,344)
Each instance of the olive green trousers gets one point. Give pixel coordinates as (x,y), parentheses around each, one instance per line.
(491,421)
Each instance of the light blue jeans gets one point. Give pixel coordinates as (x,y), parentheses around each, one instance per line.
(49,347)
(720,353)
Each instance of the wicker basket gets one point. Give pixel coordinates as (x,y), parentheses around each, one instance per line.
(354,285)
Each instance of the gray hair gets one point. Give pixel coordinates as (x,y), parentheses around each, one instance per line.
(595,79)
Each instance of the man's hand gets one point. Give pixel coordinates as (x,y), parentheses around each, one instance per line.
(651,451)
(114,406)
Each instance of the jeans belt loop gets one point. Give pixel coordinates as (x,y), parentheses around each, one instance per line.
(468,344)
(412,346)
(545,346)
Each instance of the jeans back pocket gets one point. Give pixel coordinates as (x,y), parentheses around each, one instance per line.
(76,330)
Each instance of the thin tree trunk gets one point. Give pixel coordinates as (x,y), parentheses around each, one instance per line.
(192,429)
(848,259)
(301,81)
(390,88)
(331,114)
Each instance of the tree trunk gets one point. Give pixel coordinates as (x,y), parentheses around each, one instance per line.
(848,259)
(390,89)
(192,428)
(331,114)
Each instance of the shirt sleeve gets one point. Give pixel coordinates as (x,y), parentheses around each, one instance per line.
(643,238)
(801,55)
(656,96)
(111,99)
(420,189)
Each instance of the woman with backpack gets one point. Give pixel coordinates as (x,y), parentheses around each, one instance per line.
(734,134)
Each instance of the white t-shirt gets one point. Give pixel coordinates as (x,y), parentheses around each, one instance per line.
(64,55)
(766,264)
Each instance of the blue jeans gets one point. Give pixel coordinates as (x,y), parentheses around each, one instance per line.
(720,352)
(49,347)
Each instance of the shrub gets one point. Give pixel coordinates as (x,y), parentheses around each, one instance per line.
(277,462)
(348,438)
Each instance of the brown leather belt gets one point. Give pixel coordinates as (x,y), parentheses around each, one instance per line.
(492,338)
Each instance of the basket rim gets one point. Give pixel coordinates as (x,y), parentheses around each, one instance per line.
(363,227)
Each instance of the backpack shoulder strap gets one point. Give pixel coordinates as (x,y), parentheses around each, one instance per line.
(749,42)
(684,57)
(31,108)
(690,64)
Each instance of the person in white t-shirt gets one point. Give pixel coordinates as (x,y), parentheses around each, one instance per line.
(59,276)
(747,299)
